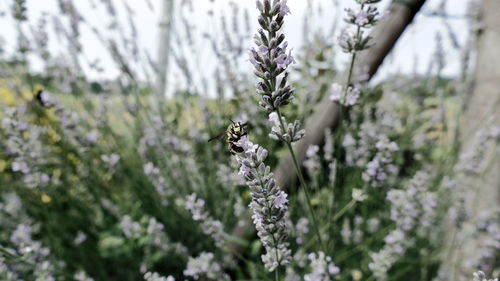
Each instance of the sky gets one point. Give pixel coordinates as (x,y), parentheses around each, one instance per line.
(413,51)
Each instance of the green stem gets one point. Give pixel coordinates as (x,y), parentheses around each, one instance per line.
(351,66)
(277,274)
(339,132)
(303,184)
(346,208)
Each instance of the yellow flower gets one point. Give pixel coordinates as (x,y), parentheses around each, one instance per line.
(356,275)
(45,198)
(57,173)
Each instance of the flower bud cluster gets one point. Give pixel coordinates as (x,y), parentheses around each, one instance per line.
(23,147)
(353,41)
(210,226)
(412,209)
(381,167)
(153,276)
(480,276)
(269,204)
(486,226)
(159,182)
(19,234)
(322,268)
(346,97)
(130,228)
(82,276)
(292,132)
(364,17)
(205,267)
(312,162)
(271,58)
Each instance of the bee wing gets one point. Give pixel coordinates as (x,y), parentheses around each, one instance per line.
(217,137)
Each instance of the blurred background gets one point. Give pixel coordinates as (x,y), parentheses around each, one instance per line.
(106,172)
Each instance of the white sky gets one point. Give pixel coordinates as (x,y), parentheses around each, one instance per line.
(419,40)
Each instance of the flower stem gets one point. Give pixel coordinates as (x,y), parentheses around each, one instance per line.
(347,207)
(303,184)
(351,66)
(339,132)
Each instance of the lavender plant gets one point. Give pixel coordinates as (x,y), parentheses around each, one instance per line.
(413,206)
(205,267)
(269,205)
(104,182)
(271,61)
(353,41)
(211,227)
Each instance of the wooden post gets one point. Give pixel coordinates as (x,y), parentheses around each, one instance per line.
(164,46)
(482,192)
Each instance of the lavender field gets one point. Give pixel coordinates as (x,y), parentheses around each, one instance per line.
(280,140)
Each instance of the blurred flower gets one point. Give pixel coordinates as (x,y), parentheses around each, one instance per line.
(352,96)
(336,92)
(130,228)
(349,98)
(364,17)
(412,207)
(80,238)
(480,276)
(205,267)
(302,229)
(358,195)
(111,160)
(322,268)
(211,227)
(381,167)
(312,162)
(153,276)
(82,276)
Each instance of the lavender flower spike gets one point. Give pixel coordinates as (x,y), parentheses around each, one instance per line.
(271,58)
(353,41)
(269,204)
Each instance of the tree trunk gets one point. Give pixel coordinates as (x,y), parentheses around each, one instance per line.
(482,192)
(166,28)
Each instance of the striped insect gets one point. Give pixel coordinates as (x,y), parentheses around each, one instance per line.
(234,132)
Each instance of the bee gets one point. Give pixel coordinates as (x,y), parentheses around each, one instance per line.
(235,131)
(43,98)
